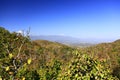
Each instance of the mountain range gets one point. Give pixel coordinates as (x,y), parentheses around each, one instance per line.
(68,40)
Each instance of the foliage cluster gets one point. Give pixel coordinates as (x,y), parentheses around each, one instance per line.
(84,67)
(109,52)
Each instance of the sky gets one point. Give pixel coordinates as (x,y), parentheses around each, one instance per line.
(98,19)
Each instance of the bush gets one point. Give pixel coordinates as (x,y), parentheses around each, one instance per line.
(83,67)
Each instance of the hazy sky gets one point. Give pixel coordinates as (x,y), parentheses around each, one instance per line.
(77,18)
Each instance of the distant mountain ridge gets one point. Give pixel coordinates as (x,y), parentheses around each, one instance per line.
(67,40)
(56,38)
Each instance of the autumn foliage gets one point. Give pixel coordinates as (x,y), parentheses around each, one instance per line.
(23,59)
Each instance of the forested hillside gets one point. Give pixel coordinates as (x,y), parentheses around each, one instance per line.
(23,59)
(109,52)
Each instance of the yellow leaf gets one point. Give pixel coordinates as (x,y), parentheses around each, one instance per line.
(10,55)
(0,78)
(10,73)
(29,61)
(23,78)
(7,68)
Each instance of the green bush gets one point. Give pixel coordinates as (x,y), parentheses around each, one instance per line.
(13,59)
(83,67)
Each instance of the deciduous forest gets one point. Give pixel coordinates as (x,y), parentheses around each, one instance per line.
(24,59)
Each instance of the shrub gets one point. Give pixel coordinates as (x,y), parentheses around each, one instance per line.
(83,67)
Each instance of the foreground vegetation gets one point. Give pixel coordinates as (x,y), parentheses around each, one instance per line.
(23,59)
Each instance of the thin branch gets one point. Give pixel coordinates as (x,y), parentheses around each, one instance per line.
(23,43)
(14,64)
(19,50)
(6,48)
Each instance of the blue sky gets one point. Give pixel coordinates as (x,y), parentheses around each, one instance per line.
(98,19)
